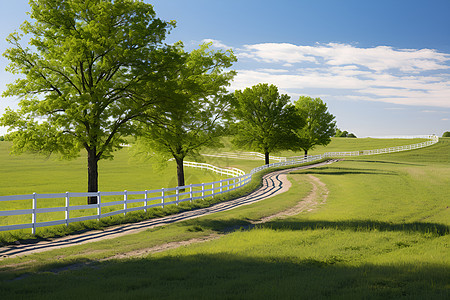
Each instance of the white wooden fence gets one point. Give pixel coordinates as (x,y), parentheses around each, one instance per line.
(245,155)
(222,171)
(143,200)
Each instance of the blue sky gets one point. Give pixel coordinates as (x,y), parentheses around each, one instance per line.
(383,67)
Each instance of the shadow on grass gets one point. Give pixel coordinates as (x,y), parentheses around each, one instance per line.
(382,162)
(353,225)
(344,171)
(230,276)
(361,225)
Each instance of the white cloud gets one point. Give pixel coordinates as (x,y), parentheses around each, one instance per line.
(273,52)
(216,43)
(434,112)
(273,70)
(378,58)
(385,74)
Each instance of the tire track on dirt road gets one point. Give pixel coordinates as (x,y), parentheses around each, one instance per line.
(274,184)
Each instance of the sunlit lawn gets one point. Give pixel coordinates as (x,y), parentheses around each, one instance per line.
(383,233)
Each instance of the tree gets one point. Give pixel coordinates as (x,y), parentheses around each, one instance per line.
(194,100)
(319,127)
(340,133)
(264,119)
(344,133)
(446,134)
(86,62)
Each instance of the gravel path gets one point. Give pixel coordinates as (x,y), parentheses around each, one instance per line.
(274,184)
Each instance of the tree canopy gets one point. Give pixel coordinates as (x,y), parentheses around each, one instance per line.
(319,126)
(345,133)
(194,99)
(82,76)
(264,119)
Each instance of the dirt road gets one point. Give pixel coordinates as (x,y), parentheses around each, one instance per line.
(274,184)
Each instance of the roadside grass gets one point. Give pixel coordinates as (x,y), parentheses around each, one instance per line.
(383,233)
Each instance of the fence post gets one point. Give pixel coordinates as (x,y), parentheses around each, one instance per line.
(212,187)
(67,208)
(146,201)
(99,205)
(33,214)
(190,193)
(203,191)
(220,186)
(162,199)
(177,191)
(125,204)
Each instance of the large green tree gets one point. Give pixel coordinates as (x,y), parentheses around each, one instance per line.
(82,76)
(194,100)
(264,119)
(319,127)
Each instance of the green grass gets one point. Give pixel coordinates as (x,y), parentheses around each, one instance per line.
(27,173)
(383,233)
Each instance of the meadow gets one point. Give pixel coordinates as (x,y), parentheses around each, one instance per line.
(28,173)
(383,232)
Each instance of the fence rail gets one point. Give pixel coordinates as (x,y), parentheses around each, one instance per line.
(223,171)
(143,200)
(166,196)
(245,155)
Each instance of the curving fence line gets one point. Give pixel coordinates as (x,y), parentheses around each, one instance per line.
(245,155)
(108,204)
(255,155)
(235,172)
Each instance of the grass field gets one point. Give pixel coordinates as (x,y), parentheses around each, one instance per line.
(27,173)
(383,233)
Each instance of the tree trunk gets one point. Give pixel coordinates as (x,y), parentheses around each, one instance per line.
(180,171)
(306,153)
(266,157)
(92,174)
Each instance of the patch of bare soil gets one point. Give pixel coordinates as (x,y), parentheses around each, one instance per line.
(317,196)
